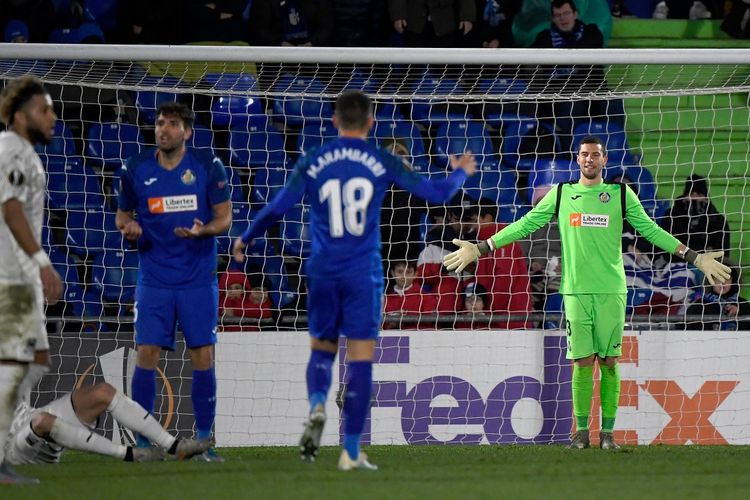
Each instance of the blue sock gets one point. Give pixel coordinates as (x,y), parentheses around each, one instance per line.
(143,392)
(204,401)
(319,377)
(356,404)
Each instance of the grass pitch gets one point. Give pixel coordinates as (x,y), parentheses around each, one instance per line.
(419,472)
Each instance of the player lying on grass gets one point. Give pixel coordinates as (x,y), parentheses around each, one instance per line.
(40,435)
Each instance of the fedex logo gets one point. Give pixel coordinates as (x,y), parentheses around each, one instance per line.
(425,415)
(588,220)
(169,204)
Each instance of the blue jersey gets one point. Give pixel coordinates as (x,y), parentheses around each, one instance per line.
(167,199)
(345,182)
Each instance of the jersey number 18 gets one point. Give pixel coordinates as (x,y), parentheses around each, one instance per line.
(355,194)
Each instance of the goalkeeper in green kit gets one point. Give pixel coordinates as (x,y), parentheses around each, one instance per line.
(590,215)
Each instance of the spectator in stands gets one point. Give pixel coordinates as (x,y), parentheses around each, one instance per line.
(720,300)
(405,295)
(568,32)
(432,23)
(38,16)
(445,226)
(361,23)
(149,22)
(243,298)
(695,221)
(214,20)
(476,309)
(494,26)
(503,273)
(16,31)
(300,23)
(737,21)
(400,216)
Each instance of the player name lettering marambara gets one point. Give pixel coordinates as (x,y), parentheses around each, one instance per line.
(351,154)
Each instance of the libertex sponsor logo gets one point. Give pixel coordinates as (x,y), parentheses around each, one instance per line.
(168,204)
(588,220)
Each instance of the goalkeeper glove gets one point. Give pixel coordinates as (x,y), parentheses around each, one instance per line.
(713,269)
(466,254)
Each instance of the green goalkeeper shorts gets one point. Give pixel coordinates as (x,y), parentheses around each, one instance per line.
(594,324)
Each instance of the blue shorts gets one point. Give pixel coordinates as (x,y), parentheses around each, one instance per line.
(157,311)
(350,306)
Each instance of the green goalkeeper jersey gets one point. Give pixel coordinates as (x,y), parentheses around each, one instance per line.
(591,221)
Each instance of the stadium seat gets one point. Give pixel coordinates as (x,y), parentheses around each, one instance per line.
(237,192)
(614,138)
(458,136)
(406,132)
(234,107)
(264,257)
(147,101)
(104,11)
(61,148)
(267,181)
(525,141)
(201,138)
(295,232)
(91,231)
(294,110)
(496,113)
(549,172)
(109,144)
(241,217)
(257,145)
(314,134)
(436,109)
(384,108)
(71,185)
(115,274)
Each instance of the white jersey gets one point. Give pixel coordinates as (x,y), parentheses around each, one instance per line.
(21,177)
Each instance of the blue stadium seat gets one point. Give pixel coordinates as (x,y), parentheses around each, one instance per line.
(614,138)
(257,145)
(295,232)
(455,137)
(549,172)
(267,181)
(202,138)
(436,109)
(296,109)
(71,185)
(494,112)
(521,140)
(386,109)
(91,231)
(497,184)
(147,101)
(264,257)
(241,217)
(406,132)
(314,134)
(115,274)
(237,192)
(61,148)
(234,107)
(109,144)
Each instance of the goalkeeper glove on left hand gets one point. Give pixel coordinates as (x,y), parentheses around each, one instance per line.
(466,254)
(713,269)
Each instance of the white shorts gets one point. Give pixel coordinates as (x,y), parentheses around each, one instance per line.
(24,446)
(22,329)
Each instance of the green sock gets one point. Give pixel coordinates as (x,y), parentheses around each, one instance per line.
(609,391)
(583,389)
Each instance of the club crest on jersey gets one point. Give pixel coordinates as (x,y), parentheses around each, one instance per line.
(588,220)
(188,177)
(604,197)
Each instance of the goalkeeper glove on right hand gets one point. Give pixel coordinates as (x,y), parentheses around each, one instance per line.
(713,269)
(466,254)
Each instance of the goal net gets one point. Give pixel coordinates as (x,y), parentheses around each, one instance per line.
(470,358)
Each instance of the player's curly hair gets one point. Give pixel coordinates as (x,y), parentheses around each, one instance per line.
(17,93)
(172,108)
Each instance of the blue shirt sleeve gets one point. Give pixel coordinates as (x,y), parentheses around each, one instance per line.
(290,195)
(434,191)
(218,186)
(126,199)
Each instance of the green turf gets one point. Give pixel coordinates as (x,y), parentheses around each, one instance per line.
(409,472)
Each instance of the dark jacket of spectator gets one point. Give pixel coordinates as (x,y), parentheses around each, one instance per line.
(148,22)
(445,15)
(361,23)
(270,23)
(215,21)
(695,221)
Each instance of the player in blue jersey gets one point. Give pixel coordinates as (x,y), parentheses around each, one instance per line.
(181,198)
(345,182)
